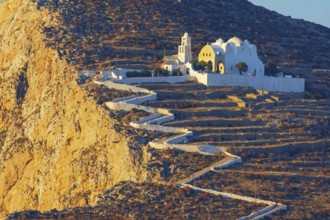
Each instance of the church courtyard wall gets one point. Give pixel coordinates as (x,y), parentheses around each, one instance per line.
(271,84)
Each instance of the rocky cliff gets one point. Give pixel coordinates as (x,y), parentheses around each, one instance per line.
(57,147)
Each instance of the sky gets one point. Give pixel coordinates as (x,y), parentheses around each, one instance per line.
(317,11)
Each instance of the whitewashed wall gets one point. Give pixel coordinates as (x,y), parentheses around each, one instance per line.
(170,79)
(158,128)
(179,139)
(163,119)
(141,99)
(148,118)
(229,163)
(118,86)
(272,84)
(124,98)
(127,107)
(200,77)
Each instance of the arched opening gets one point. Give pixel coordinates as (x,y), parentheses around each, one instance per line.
(242,67)
(220,68)
(209,66)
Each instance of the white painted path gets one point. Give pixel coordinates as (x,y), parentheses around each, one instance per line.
(153,122)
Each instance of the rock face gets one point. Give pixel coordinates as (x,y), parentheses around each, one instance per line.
(57,147)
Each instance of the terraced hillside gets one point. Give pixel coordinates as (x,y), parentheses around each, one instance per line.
(272,120)
(101,33)
(282,138)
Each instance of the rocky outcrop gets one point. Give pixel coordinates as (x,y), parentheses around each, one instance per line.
(57,147)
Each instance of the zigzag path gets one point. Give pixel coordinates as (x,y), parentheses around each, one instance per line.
(160,116)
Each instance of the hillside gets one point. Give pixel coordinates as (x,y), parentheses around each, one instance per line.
(57,147)
(61,149)
(102,33)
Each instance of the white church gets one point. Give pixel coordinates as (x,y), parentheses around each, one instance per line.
(221,57)
(232,63)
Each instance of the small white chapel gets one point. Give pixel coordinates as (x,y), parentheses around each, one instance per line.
(221,57)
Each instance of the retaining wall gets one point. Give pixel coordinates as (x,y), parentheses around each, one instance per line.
(127,107)
(124,98)
(182,147)
(158,128)
(161,120)
(233,196)
(271,205)
(200,77)
(260,212)
(123,87)
(148,118)
(170,79)
(272,84)
(141,99)
(179,139)
(228,164)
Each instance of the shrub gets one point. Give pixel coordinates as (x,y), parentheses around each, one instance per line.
(244,155)
(199,65)
(242,67)
(146,73)
(161,72)
(177,72)
(271,69)
(143,73)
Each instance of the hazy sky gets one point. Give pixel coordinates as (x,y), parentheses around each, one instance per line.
(317,11)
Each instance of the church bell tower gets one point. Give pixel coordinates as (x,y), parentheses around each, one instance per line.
(184,53)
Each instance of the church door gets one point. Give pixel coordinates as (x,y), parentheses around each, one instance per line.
(210,67)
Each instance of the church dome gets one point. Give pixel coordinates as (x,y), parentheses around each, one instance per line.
(236,41)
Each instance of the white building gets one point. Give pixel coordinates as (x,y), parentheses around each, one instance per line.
(221,69)
(118,73)
(222,57)
(184,56)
